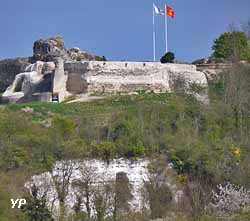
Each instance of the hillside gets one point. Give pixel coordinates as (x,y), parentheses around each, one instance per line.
(207,145)
(86,139)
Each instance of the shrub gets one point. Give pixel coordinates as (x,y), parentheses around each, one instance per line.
(136,150)
(14,157)
(106,150)
(168,58)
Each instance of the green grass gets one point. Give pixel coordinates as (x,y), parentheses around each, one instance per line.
(114,103)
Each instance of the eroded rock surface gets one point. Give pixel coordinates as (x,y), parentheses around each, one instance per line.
(48,49)
(33,84)
(9,68)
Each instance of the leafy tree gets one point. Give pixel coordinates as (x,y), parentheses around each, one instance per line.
(232,45)
(168,58)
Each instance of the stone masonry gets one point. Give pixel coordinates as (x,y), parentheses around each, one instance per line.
(55,70)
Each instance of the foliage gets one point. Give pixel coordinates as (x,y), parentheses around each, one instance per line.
(232,45)
(217,88)
(14,157)
(168,58)
(106,150)
(35,209)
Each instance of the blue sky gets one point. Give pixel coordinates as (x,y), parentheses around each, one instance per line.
(120,30)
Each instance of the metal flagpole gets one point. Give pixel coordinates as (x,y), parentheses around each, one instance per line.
(154,31)
(166,28)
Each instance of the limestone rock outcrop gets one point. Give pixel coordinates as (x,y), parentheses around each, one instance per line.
(48,49)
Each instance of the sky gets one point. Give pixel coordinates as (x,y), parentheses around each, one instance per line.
(118,30)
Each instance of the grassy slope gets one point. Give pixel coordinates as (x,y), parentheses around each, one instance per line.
(196,137)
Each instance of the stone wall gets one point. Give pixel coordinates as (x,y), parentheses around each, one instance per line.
(109,77)
(212,71)
(66,78)
(9,68)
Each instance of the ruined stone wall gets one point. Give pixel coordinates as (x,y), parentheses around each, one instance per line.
(9,68)
(107,77)
(90,77)
(212,71)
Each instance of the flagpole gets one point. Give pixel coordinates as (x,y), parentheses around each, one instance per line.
(154,32)
(166,28)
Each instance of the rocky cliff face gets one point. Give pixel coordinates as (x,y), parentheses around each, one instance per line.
(101,172)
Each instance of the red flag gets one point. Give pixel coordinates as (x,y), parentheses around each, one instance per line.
(169,12)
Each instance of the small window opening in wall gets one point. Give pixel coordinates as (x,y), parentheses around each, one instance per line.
(126,64)
(55,97)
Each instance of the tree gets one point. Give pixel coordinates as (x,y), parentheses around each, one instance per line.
(237,83)
(84,187)
(36,207)
(168,58)
(103,200)
(156,189)
(62,176)
(232,45)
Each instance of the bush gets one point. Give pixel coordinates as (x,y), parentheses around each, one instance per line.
(14,157)
(106,150)
(135,150)
(168,58)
